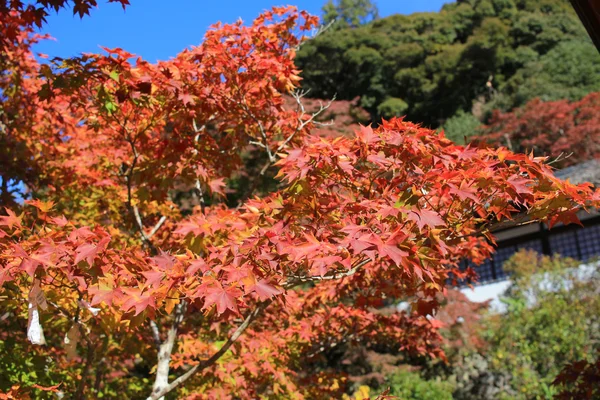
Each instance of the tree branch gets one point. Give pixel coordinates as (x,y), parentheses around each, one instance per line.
(137,217)
(561,157)
(199,192)
(101,365)
(164,351)
(319,31)
(155,334)
(298,280)
(80,393)
(160,222)
(200,195)
(215,357)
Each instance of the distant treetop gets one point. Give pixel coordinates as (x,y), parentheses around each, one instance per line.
(349,13)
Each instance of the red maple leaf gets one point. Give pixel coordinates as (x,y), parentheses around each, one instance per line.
(137,300)
(87,252)
(217,186)
(196,265)
(425,217)
(264,290)
(103,294)
(464,192)
(186,98)
(366,134)
(566,217)
(10,220)
(153,278)
(520,184)
(224,299)
(43,206)
(389,248)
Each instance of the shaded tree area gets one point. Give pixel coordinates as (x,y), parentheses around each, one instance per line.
(469,58)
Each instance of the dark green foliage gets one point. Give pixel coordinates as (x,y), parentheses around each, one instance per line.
(392,107)
(461,126)
(497,53)
(569,71)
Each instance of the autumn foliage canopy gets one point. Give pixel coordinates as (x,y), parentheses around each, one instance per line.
(114,288)
(550,127)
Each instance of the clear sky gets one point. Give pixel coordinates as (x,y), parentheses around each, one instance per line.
(159,29)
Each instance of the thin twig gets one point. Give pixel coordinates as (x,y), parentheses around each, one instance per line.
(198,186)
(200,194)
(140,223)
(89,359)
(319,31)
(298,280)
(101,365)
(137,217)
(561,157)
(303,123)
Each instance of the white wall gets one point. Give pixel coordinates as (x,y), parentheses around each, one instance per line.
(489,291)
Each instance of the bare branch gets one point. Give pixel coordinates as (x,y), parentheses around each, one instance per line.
(140,224)
(196,129)
(561,157)
(262,131)
(508,142)
(319,31)
(200,195)
(101,365)
(254,142)
(199,192)
(137,217)
(303,123)
(89,359)
(160,222)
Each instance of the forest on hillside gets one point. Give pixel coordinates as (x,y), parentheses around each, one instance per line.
(453,68)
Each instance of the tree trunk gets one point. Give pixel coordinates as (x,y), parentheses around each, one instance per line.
(165,350)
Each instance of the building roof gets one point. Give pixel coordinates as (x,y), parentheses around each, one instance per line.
(588,171)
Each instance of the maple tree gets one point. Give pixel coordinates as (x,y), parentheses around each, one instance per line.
(579,380)
(106,275)
(550,128)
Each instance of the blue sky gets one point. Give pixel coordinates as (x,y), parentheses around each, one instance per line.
(159,29)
